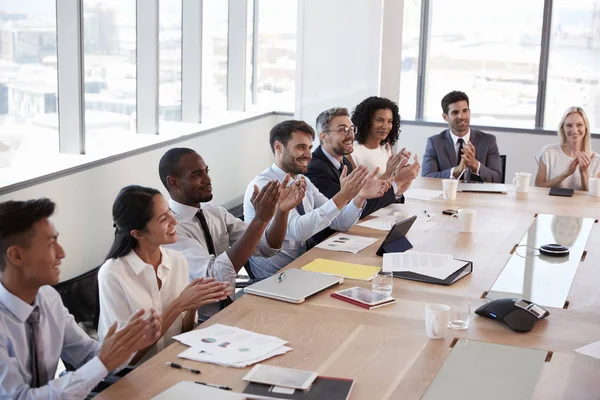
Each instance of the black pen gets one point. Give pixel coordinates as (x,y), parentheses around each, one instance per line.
(179,366)
(215,386)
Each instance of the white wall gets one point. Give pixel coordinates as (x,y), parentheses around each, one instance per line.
(519,148)
(234,154)
(339,43)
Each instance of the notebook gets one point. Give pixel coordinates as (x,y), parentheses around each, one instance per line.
(482,187)
(322,388)
(187,390)
(362,297)
(293,285)
(347,270)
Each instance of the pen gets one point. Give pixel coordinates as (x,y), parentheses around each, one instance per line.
(215,386)
(179,366)
(427,214)
(280,277)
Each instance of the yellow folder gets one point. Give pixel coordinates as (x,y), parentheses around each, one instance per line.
(347,270)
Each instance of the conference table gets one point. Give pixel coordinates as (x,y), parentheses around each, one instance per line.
(386,350)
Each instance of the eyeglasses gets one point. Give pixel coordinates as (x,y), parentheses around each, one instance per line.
(344,130)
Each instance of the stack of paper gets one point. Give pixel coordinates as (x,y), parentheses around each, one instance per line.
(339,268)
(422,194)
(230,346)
(438,266)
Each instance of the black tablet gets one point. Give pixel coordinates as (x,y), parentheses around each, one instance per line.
(561,192)
(398,231)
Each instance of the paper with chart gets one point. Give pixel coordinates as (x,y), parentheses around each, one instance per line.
(435,265)
(422,194)
(348,243)
(230,346)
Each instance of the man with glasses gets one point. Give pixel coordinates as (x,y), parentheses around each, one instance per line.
(336,134)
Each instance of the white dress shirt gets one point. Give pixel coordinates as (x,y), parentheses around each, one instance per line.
(62,338)
(320,212)
(127,284)
(466,138)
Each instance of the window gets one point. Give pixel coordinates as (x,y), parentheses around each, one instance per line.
(574,63)
(276,61)
(169,37)
(411,32)
(214,55)
(28,85)
(109,47)
(491,52)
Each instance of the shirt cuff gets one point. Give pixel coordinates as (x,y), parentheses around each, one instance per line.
(451,172)
(263,246)
(94,370)
(331,210)
(478,166)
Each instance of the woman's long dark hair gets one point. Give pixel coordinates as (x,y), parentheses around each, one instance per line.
(362,118)
(132,209)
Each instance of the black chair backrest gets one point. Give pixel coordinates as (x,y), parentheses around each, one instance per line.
(503,167)
(80,296)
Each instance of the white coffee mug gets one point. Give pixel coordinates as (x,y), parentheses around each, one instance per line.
(449,187)
(594,187)
(436,320)
(521,181)
(466,219)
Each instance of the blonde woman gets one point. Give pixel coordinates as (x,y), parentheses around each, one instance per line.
(571,163)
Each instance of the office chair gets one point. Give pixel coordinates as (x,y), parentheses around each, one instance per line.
(80,296)
(503,167)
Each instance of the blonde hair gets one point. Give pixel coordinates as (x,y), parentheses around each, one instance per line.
(587,144)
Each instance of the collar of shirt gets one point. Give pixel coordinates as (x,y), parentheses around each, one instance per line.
(187,212)
(15,305)
(337,164)
(455,138)
(280,174)
(138,265)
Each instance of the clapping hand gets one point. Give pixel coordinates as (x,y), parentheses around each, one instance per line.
(373,187)
(584,162)
(265,201)
(351,185)
(468,155)
(203,291)
(290,196)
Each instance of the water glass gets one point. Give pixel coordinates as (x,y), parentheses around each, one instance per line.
(383,283)
(460,312)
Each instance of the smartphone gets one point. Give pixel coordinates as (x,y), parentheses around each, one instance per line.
(449,212)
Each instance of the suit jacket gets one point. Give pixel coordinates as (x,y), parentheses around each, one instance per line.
(326,177)
(440,156)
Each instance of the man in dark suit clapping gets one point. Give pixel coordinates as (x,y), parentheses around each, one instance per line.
(460,149)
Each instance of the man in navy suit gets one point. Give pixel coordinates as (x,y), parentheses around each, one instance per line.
(336,134)
(460,150)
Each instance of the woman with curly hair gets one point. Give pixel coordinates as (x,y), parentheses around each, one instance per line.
(377,122)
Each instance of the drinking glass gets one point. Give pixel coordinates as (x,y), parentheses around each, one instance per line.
(383,283)
(460,312)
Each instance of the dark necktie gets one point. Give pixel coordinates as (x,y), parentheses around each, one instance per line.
(460,147)
(210,245)
(39,375)
(341,168)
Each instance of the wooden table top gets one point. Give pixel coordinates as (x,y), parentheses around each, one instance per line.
(386,349)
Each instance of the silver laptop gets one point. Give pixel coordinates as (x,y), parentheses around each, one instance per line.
(482,187)
(293,285)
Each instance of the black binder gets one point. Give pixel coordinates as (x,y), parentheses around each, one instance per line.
(460,273)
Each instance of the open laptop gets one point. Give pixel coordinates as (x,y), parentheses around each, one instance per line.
(293,285)
(482,187)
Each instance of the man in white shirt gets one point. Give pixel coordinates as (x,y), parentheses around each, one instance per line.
(35,327)
(214,242)
(460,151)
(291,143)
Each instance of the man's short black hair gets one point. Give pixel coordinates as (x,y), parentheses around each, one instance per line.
(453,97)
(16,221)
(169,164)
(282,132)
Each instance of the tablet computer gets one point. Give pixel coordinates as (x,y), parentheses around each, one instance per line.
(398,231)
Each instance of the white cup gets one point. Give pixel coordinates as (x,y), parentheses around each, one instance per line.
(436,320)
(521,181)
(466,219)
(449,187)
(594,187)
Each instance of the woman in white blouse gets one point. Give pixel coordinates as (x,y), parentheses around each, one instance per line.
(139,273)
(377,122)
(570,163)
